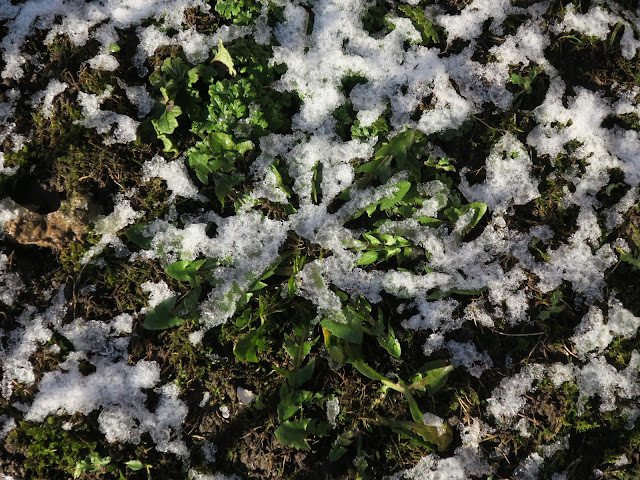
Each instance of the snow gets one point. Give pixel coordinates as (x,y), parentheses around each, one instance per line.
(176,176)
(116,389)
(33,330)
(108,226)
(245,397)
(467,355)
(468,24)
(508,399)
(10,283)
(401,74)
(466,463)
(595,23)
(138,96)
(54,88)
(333,410)
(124,127)
(509,181)
(158,292)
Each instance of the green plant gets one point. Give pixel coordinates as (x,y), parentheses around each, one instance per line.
(241,12)
(227,115)
(554,305)
(92,464)
(428,31)
(137,465)
(525,82)
(343,339)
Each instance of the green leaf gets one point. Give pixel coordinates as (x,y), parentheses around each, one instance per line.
(367,258)
(390,343)
(223,56)
(244,319)
(374,241)
(302,375)
(426,28)
(351,330)
(224,184)
(114,48)
(288,406)
(397,146)
(193,75)
(174,68)
(219,142)
(334,347)
(516,79)
(287,409)
(429,221)
(217,155)
(431,377)
(293,433)
(395,149)
(630,259)
(168,121)
(167,144)
(425,434)
(246,348)
(416,414)
(184,270)
(367,371)
(387,203)
(338,449)
(244,147)
(161,317)
(190,301)
(319,428)
(480,210)
(93,463)
(136,234)
(134,465)
(431,434)
(298,349)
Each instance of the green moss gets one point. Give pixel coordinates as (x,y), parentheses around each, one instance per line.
(51,451)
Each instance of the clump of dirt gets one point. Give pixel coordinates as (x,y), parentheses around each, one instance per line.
(53,230)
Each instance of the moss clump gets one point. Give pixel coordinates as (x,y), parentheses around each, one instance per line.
(51,451)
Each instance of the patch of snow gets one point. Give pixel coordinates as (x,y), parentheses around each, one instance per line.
(508,399)
(158,292)
(176,176)
(139,97)
(467,461)
(10,283)
(124,127)
(34,330)
(508,182)
(108,226)
(466,355)
(595,23)
(245,397)
(333,410)
(45,97)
